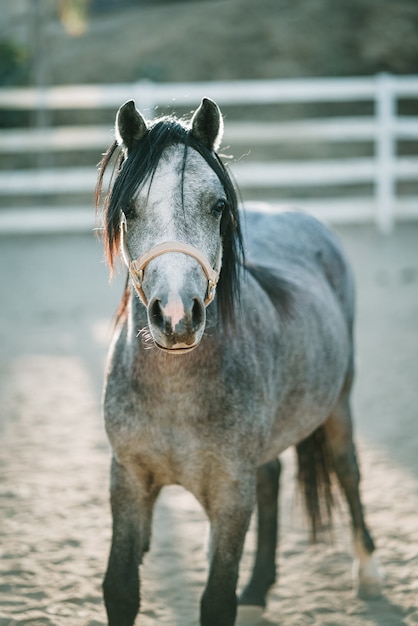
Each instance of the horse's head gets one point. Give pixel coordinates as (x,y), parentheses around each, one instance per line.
(172,211)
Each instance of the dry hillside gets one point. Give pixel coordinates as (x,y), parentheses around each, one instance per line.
(226,39)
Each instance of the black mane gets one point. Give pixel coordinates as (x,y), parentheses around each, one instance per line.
(132,171)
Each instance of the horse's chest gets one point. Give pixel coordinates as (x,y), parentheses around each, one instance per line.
(159,425)
(168,451)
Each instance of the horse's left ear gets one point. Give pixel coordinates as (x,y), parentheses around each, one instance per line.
(207,124)
(130,125)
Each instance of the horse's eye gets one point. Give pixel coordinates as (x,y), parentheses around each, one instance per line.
(219,207)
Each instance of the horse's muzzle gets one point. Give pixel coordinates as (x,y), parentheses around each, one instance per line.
(177,326)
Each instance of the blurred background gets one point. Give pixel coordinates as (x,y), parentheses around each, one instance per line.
(105,41)
(346,149)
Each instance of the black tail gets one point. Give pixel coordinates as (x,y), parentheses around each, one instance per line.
(314,478)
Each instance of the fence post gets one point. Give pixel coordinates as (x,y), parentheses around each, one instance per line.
(40,79)
(385,153)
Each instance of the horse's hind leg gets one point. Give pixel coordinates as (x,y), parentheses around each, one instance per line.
(132,502)
(264,571)
(367,579)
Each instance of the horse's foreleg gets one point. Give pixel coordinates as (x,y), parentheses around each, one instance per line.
(367,578)
(229,511)
(264,572)
(131,512)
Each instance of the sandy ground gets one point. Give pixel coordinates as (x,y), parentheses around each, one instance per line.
(55,321)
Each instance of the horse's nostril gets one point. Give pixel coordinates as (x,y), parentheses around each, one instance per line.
(198,313)
(156,313)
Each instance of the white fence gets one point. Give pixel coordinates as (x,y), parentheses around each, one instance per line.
(382,171)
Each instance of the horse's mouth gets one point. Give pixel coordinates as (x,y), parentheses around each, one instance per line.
(176,350)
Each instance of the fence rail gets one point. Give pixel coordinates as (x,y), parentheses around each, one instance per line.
(383,171)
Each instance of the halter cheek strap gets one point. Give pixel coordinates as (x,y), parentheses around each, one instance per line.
(137,266)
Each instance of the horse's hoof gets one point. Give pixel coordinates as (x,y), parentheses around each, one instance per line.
(368,580)
(368,589)
(249,615)
(369,592)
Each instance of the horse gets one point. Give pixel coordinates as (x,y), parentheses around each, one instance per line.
(233,342)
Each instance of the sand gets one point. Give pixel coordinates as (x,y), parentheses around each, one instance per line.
(55,323)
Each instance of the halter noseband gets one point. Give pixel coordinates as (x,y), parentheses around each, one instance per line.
(137,266)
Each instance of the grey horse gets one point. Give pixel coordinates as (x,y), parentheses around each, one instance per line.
(234,341)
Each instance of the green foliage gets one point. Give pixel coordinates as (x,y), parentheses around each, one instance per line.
(14,63)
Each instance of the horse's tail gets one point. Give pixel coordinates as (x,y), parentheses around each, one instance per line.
(315,479)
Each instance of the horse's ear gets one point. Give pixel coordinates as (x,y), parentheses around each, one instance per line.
(207,124)
(130,125)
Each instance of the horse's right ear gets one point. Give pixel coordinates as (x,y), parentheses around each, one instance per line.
(130,126)
(207,124)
